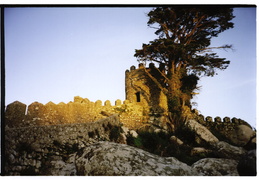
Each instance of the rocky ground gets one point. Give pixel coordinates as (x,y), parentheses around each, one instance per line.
(114,159)
(131,153)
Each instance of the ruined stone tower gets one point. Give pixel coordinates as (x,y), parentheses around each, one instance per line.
(141,89)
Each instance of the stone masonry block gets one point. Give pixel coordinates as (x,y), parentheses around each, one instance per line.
(15,114)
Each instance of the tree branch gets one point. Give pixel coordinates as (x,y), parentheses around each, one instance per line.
(164,90)
(166,78)
(220,47)
(194,29)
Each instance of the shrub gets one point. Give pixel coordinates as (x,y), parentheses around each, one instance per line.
(115,133)
(156,143)
(160,144)
(136,142)
(186,134)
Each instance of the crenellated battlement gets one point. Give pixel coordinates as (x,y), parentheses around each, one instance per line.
(145,106)
(200,118)
(133,115)
(141,66)
(81,110)
(140,88)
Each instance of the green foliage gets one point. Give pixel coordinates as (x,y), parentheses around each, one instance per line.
(177,120)
(185,133)
(152,142)
(136,142)
(183,48)
(173,102)
(184,37)
(160,144)
(189,83)
(115,133)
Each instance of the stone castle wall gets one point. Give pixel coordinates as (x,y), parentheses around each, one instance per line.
(80,111)
(145,103)
(226,129)
(34,149)
(37,135)
(133,115)
(43,149)
(142,89)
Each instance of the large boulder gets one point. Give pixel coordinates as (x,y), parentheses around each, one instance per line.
(202,133)
(199,151)
(225,150)
(243,135)
(176,140)
(216,167)
(107,158)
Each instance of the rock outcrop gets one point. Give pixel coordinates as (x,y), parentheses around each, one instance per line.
(85,149)
(30,150)
(201,132)
(176,140)
(216,167)
(243,135)
(78,138)
(60,166)
(106,158)
(199,150)
(225,150)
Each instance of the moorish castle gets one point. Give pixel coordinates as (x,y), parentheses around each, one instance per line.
(38,126)
(145,104)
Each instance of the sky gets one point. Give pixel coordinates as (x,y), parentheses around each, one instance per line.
(54,54)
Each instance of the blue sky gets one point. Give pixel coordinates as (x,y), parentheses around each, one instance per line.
(54,54)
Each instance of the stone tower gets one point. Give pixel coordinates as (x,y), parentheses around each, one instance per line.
(141,89)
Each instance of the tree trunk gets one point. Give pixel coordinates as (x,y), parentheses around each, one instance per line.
(174,90)
(177,99)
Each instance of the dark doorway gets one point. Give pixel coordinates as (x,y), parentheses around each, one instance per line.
(138,96)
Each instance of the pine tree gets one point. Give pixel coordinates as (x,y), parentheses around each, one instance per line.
(183,49)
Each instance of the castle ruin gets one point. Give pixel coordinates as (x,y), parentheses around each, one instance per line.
(145,106)
(141,89)
(39,138)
